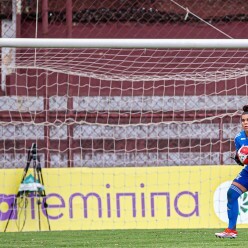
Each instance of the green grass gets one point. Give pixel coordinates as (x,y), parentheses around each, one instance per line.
(123,238)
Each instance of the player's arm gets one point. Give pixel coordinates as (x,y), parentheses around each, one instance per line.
(236,157)
(237,160)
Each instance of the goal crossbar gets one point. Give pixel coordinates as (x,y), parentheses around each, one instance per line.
(123,43)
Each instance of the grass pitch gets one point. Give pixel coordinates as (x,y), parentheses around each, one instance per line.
(123,238)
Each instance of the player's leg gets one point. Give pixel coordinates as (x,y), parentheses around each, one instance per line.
(237,188)
(233,194)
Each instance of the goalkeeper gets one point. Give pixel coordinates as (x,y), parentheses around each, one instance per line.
(239,184)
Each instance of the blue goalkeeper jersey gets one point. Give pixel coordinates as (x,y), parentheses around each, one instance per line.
(241,140)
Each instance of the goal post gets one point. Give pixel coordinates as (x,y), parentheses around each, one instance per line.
(131,133)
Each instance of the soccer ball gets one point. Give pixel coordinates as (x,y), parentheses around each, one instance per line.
(243,154)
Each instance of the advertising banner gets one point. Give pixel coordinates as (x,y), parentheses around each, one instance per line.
(121,198)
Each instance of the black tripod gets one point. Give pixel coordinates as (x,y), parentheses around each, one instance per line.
(38,188)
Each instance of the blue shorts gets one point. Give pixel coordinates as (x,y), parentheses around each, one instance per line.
(242,178)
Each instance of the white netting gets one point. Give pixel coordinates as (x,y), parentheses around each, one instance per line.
(205,65)
(123,107)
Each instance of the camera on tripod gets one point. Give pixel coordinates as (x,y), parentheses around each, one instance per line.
(31,184)
(34,151)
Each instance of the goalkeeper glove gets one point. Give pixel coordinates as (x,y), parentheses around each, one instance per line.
(236,158)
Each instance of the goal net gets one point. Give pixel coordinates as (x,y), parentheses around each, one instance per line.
(132,137)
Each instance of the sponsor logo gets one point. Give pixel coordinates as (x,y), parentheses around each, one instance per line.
(108,205)
(220,204)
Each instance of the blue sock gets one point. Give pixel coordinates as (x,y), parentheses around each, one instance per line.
(232,205)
